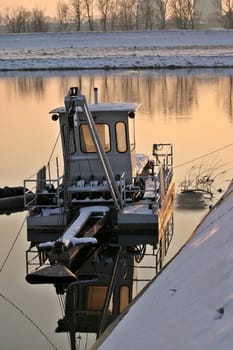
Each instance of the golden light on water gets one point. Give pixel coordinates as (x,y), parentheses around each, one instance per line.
(190,110)
(192,113)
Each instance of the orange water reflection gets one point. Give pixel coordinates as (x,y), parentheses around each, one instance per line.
(193,110)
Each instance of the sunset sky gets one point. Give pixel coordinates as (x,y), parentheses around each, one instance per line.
(48,6)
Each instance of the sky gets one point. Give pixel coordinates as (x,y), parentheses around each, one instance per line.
(48,6)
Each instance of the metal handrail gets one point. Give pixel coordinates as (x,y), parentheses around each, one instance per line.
(128,189)
(54,193)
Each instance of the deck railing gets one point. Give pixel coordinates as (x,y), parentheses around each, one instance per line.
(140,187)
(48,195)
(152,188)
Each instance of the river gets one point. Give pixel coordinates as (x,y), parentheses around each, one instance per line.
(192,109)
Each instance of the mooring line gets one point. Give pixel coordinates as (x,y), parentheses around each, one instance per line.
(29,319)
(50,157)
(54,147)
(204,155)
(13,244)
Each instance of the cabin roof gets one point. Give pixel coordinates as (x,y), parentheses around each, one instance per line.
(106,107)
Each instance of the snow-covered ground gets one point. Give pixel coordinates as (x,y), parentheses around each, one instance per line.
(190,304)
(97,50)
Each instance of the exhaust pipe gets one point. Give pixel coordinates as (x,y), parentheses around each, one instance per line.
(96,96)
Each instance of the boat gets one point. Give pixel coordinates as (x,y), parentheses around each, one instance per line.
(198,189)
(89,226)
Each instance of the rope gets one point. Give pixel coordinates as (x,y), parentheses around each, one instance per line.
(51,155)
(53,149)
(204,155)
(13,244)
(79,341)
(29,319)
(86,342)
(61,304)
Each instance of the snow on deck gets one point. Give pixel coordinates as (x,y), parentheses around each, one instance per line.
(190,304)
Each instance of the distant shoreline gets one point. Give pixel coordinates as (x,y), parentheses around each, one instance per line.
(116,50)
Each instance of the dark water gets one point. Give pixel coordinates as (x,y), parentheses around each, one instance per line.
(193,110)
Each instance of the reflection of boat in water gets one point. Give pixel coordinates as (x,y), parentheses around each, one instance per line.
(192,199)
(89,226)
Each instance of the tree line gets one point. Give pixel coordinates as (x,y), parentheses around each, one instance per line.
(109,15)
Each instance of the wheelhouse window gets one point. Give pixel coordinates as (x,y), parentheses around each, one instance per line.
(121,138)
(124,298)
(87,144)
(95,298)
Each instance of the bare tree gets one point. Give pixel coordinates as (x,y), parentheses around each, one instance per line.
(89,7)
(146,14)
(161,13)
(76,13)
(128,11)
(39,22)
(63,15)
(190,11)
(182,12)
(114,15)
(17,19)
(227,11)
(106,7)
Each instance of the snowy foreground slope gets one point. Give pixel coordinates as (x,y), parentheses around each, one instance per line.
(97,50)
(190,304)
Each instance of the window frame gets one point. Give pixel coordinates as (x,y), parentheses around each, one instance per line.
(118,147)
(83,144)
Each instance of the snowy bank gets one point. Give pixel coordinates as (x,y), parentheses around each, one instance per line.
(190,304)
(116,50)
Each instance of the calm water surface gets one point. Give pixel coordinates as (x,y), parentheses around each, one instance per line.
(193,110)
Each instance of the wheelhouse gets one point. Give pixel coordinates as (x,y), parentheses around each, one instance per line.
(116,130)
